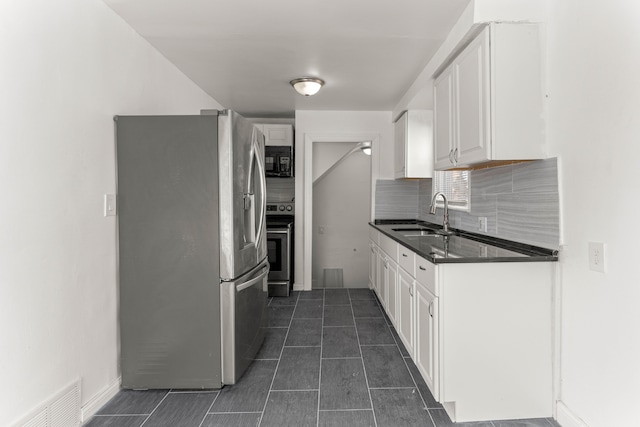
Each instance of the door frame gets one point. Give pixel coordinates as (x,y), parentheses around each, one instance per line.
(309,140)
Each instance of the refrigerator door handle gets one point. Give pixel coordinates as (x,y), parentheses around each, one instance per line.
(259,158)
(253,281)
(248,194)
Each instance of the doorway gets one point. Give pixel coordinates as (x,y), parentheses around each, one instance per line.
(341,209)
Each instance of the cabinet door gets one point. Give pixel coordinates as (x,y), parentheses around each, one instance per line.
(426,349)
(384,285)
(373,262)
(471,74)
(400,140)
(380,272)
(443,119)
(392,291)
(275,134)
(404,318)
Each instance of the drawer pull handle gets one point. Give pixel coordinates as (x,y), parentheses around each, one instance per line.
(422,268)
(405,255)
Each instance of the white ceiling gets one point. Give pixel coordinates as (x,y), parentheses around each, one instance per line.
(245,52)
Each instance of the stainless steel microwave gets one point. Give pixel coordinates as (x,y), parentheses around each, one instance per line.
(278,161)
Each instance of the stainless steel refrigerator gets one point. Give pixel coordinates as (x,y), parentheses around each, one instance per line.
(192,249)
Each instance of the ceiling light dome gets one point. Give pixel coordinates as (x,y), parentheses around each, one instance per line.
(307,86)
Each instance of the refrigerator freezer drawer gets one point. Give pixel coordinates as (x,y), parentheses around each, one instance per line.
(244,321)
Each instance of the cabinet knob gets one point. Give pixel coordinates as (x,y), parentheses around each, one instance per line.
(422,268)
(405,255)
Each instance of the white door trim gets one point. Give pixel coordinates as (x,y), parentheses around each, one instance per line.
(309,140)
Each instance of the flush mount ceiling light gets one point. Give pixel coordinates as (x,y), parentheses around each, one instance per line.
(307,86)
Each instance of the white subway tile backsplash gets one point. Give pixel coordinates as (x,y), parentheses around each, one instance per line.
(280,189)
(529,218)
(520,202)
(425,192)
(396,199)
(537,177)
(492,181)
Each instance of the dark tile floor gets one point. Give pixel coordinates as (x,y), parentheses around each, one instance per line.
(330,358)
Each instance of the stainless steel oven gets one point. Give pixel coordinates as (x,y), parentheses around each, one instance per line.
(280,248)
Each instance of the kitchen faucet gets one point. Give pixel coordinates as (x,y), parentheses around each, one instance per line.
(432,210)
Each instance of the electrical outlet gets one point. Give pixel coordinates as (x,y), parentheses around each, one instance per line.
(482,224)
(596,256)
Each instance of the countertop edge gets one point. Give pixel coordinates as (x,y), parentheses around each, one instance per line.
(534,253)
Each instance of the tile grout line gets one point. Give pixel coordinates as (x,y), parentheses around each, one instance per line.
(154,409)
(275,372)
(209,409)
(364,369)
(415,384)
(320,368)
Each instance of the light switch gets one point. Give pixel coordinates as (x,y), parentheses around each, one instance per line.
(596,256)
(110,208)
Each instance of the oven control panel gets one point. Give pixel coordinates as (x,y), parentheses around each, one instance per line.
(281,208)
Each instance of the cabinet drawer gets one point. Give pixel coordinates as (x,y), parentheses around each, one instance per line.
(426,274)
(407,260)
(373,234)
(389,246)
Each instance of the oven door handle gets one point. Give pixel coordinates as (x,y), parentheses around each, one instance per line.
(271,231)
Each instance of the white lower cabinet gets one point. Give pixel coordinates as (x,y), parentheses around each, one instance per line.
(373,264)
(479,333)
(426,347)
(392,291)
(381,264)
(405,316)
(387,282)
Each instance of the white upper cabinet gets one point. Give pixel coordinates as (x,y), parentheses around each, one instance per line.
(276,134)
(413,140)
(443,119)
(488,102)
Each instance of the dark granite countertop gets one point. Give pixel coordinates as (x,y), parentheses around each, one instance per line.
(461,246)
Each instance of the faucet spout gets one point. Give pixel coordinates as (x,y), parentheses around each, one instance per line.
(432,210)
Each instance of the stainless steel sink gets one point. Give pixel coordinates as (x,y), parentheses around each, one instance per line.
(418,231)
(422,233)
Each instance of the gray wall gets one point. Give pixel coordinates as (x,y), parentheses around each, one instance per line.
(520,202)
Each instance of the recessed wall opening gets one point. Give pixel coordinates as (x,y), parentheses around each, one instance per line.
(340,214)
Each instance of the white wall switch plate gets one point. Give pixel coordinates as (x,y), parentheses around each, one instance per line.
(110,208)
(596,256)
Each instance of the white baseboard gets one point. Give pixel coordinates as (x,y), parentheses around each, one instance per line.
(298,287)
(566,417)
(99,400)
